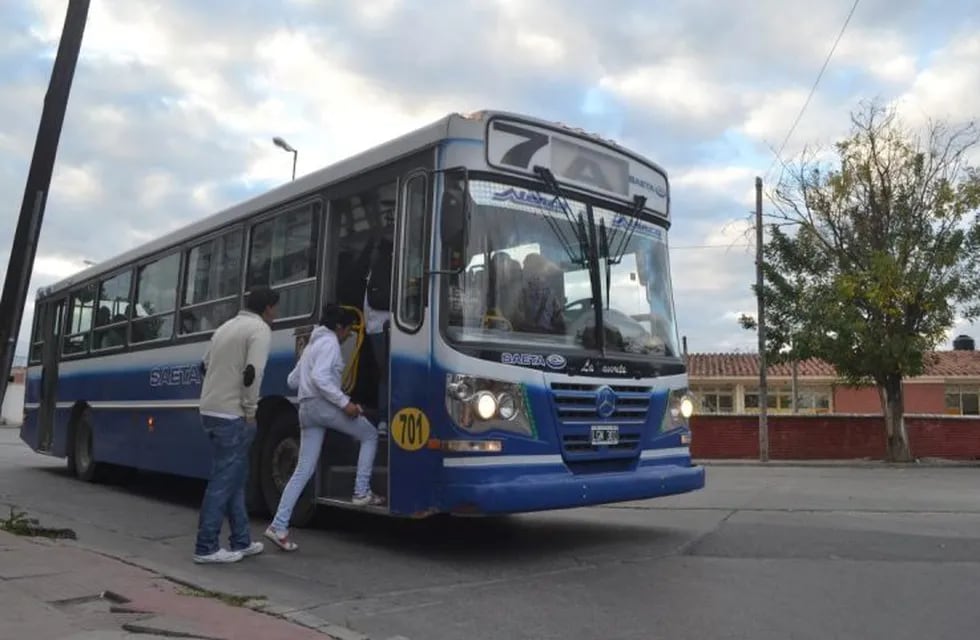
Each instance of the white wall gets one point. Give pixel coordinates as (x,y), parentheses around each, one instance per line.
(13,404)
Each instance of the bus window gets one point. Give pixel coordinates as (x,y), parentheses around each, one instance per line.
(79,321)
(111,315)
(413,254)
(156,298)
(282,255)
(361,221)
(212,283)
(37,340)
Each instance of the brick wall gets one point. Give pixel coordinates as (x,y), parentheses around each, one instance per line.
(832,437)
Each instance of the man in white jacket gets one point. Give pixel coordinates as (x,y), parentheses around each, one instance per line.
(323,404)
(233,365)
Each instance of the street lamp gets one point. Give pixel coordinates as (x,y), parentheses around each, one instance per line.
(282,144)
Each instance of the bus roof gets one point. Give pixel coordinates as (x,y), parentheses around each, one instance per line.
(453,125)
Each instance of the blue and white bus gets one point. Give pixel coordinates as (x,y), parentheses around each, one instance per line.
(533,359)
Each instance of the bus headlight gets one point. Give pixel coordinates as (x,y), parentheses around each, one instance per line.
(507,406)
(478,405)
(486,405)
(680,408)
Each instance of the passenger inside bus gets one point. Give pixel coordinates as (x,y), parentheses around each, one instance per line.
(377,314)
(505,285)
(539,309)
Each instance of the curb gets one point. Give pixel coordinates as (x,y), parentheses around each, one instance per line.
(860,463)
(266,607)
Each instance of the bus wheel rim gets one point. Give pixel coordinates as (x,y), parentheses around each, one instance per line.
(284,458)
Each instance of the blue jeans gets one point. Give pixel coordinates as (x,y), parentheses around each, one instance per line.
(231,441)
(380,351)
(315,416)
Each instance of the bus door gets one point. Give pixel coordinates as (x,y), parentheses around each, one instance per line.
(413,467)
(52,314)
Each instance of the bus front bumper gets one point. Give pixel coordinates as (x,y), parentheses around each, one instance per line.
(557,488)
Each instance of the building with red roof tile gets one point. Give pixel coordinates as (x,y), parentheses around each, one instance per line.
(728,383)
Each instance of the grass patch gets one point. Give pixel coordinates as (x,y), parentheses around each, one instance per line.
(19,524)
(227,598)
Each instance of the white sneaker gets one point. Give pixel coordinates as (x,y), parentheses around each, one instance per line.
(253,549)
(382,428)
(221,556)
(370,498)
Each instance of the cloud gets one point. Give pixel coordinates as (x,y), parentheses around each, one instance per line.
(947,88)
(175,103)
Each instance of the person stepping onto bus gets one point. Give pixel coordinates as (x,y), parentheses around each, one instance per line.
(323,405)
(377,318)
(233,366)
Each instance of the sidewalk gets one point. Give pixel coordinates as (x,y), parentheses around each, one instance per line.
(55,590)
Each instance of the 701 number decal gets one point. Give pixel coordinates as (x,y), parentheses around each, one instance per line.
(410,429)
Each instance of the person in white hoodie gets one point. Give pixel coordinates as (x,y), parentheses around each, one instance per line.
(322,405)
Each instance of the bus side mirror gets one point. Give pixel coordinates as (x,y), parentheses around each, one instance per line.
(453,218)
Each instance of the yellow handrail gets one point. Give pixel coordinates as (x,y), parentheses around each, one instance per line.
(494,315)
(350,371)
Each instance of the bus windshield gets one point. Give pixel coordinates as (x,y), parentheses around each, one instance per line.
(527,279)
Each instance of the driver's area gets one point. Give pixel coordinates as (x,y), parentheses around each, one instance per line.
(524,277)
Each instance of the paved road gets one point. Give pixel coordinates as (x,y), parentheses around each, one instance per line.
(777,552)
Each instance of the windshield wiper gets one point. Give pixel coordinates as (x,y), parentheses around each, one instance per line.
(604,251)
(638,203)
(588,244)
(606,238)
(549,179)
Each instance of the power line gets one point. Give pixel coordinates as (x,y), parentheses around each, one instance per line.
(813,89)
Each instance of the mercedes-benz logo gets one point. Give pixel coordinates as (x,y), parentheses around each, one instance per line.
(605,402)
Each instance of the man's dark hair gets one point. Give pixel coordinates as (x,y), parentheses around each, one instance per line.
(261,298)
(333,316)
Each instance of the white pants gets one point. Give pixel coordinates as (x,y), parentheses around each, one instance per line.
(315,417)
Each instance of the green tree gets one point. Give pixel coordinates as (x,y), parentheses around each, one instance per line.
(871,254)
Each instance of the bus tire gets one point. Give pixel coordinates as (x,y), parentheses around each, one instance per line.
(80,458)
(280,451)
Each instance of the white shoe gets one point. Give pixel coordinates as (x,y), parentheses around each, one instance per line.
(382,427)
(221,556)
(370,498)
(253,549)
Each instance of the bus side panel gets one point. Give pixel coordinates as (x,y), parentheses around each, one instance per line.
(29,432)
(173,442)
(144,405)
(176,443)
(412,467)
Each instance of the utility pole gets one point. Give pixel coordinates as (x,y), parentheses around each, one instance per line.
(28,231)
(763,391)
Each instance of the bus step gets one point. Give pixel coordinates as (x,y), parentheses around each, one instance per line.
(338,482)
(347,504)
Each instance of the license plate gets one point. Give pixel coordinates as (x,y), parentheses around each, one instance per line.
(604,434)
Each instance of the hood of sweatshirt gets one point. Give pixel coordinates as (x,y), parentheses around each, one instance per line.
(319,332)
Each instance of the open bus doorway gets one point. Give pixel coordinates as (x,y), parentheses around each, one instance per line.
(363,228)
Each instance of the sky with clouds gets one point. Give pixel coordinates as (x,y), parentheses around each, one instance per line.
(175,103)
